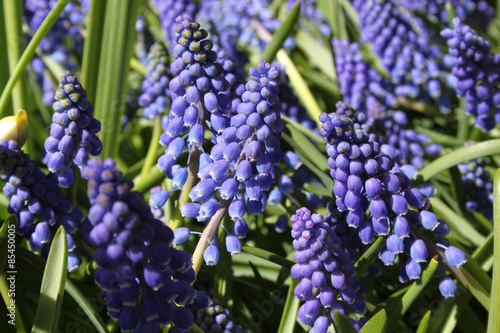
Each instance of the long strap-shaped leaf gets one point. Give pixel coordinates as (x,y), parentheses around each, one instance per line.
(52,291)
(289,316)
(29,52)
(281,34)
(494,318)
(36,264)
(117,45)
(485,148)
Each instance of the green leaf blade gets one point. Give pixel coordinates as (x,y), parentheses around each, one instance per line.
(377,324)
(281,34)
(493,318)
(52,291)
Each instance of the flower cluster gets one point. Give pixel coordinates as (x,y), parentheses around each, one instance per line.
(215,318)
(195,91)
(327,274)
(146,282)
(246,150)
(477,73)
(478,186)
(154,98)
(361,85)
(402,41)
(72,132)
(367,178)
(36,196)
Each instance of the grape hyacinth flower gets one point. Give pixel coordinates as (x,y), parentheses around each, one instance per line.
(328,281)
(477,74)
(155,96)
(195,88)
(403,42)
(367,178)
(145,282)
(37,201)
(361,85)
(215,318)
(72,132)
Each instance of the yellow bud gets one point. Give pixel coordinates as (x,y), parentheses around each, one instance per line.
(15,128)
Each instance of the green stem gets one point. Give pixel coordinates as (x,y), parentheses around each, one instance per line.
(92,47)
(29,52)
(223,270)
(15,44)
(150,160)
(137,66)
(485,148)
(117,45)
(493,318)
(298,83)
(269,256)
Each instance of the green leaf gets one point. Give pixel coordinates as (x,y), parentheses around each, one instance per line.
(92,47)
(289,316)
(424,323)
(317,54)
(32,261)
(52,291)
(300,87)
(377,324)
(343,323)
(117,44)
(369,256)
(268,256)
(281,34)
(13,24)
(493,317)
(307,148)
(28,53)
(485,148)
(458,224)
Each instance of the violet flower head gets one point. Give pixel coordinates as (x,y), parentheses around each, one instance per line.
(73,130)
(477,73)
(369,178)
(328,281)
(145,281)
(37,202)
(156,96)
